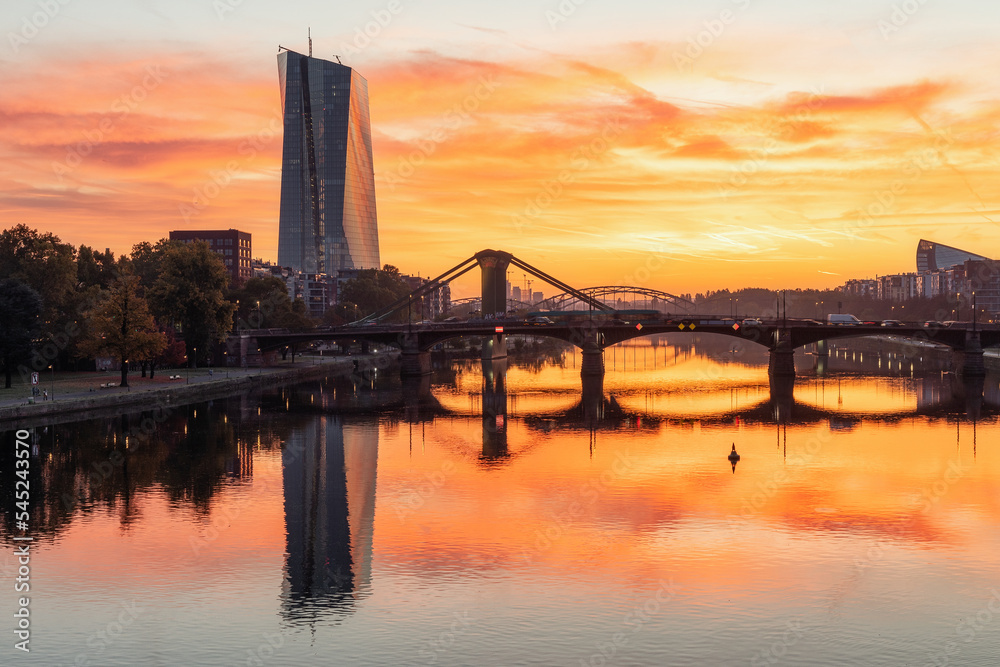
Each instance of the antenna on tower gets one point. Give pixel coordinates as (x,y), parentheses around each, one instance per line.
(310,42)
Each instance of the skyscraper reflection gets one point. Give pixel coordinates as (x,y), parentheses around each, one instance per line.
(328,473)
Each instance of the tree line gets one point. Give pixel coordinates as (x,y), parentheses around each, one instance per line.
(162,305)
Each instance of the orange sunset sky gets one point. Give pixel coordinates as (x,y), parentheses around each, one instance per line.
(680,146)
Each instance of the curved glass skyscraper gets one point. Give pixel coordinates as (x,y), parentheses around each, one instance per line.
(327,218)
(933,256)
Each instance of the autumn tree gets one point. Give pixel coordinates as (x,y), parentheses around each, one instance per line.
(123,325)
(190,292)
(370,291)
(21,308)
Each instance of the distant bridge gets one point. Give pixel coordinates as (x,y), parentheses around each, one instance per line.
(594,325)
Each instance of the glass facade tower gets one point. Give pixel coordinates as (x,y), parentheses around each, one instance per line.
(327,218)
(933,256)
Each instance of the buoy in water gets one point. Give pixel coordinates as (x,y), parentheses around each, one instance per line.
(733,456)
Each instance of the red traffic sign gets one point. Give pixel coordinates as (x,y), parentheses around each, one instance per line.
(34,378)
(499,329)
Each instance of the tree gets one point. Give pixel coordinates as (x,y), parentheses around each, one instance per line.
(47,265)
(95,268)
(372,290)
(264,303)
(40,260)
(21,307)
(124,327)
(191,292)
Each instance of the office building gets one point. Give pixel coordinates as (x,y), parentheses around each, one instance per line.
(231,244)
(327,220)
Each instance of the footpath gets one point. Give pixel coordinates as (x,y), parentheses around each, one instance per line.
(87,400)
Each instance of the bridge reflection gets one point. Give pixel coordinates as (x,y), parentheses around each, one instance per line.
(329,461)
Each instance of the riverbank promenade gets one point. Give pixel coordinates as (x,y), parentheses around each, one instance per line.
(71,393)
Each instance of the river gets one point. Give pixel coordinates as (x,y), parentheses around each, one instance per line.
(504,514)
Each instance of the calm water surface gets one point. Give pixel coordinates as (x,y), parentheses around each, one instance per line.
(504,514)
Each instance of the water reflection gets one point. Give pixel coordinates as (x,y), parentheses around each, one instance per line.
(328,478)
(494,410)
(546,507)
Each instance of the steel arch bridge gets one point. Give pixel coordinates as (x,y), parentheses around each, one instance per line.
(654,298)
(512,304)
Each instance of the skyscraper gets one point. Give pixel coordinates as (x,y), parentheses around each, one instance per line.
(327,218)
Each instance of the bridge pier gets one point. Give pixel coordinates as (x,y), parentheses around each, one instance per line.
(823,348)
(969,361)
(413,362)
(781,362)
(495,347)
(593,360)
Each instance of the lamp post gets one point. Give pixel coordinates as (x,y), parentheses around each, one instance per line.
(974,313)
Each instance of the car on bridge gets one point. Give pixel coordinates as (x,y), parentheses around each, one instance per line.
(843,319)
(892,323)
(540,319)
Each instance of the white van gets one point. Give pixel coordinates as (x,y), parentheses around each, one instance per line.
(838,318)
